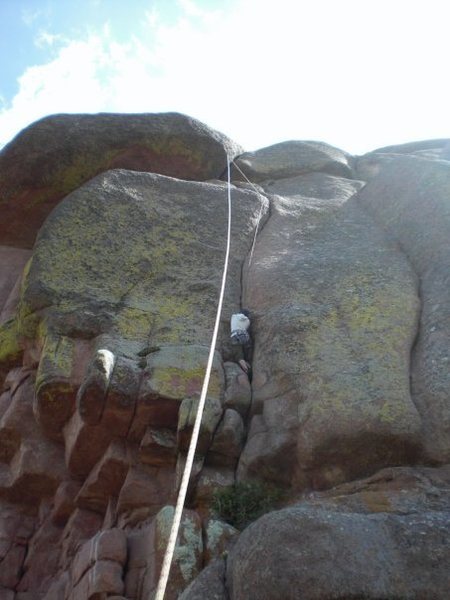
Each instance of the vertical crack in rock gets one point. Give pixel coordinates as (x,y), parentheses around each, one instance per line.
(226,588)
(259,227)
(245,267)
(415,343)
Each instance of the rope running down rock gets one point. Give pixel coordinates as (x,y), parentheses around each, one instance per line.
(168,556)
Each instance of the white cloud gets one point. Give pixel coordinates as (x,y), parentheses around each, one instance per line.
(69,83)
(190,8)
(45,39)
(355,74)
(152,17)
(30,16)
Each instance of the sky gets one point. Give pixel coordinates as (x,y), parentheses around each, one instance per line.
(357,74)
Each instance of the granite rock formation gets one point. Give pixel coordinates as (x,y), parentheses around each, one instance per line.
(112,243)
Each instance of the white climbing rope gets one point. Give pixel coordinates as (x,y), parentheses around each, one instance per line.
(168,556)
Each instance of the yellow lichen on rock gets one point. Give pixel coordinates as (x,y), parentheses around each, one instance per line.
(10,348)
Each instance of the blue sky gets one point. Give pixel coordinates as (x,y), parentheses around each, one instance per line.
(357,74)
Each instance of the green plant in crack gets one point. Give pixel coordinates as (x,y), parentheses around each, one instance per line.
(244,502)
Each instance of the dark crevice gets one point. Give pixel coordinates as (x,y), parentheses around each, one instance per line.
(245,267)
(135,407)
(226,588)
(142,364)
(22,566)
(121,303)
(414,343)
(219,423)
(204,540)
(260,225)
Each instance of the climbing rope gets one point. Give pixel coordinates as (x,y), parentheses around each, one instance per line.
(168,556)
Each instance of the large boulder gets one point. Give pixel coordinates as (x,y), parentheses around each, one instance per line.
(326,554)
(55,155)
(289,159)
(314,185)
(334,331)
(139,256)
(409,197)
(372,539)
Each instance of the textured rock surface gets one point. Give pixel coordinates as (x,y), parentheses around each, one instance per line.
(105,327)
(343,308)
(209,584)
(374,538)
(410,198)
(147,546)
(289,159)
(129,282)
(326,553)
(435,148)
(57,154)
(12,262)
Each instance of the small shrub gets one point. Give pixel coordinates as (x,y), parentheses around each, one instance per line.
(245,502)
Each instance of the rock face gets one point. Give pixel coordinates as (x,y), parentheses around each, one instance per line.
(365,541)
(343,307)
(105,326)
(419,222)
(289,159)
(57,154)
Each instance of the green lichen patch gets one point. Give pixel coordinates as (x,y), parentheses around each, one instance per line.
(55,392)
(178,372)
(56,359)
(10,348)
(361,347)
(218,536)
(189,546)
